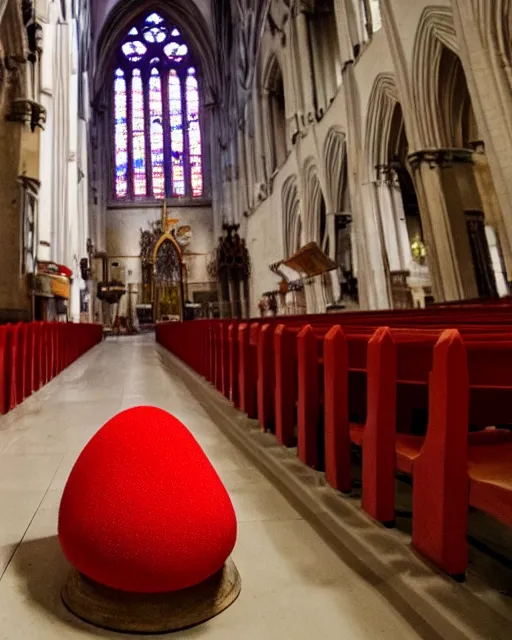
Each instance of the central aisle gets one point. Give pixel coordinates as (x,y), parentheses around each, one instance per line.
(294,587)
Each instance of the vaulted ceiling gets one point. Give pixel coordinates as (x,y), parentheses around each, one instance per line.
(101,9)
(111,19)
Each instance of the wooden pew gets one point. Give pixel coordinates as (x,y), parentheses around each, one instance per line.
(265,361)
(401,362)
(452,471)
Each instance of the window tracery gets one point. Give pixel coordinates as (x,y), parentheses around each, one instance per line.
(158,149)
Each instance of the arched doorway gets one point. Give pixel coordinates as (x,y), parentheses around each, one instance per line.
(168,268)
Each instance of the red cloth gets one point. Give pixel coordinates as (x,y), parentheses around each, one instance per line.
(143,509)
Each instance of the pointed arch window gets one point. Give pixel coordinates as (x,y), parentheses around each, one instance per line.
(157,135)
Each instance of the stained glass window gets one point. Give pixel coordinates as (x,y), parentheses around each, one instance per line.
(176,51)
(157,134)
(176,122)
(121,135)
(134,50)
(154,18)
(156,105)
(194,134)
(138,135)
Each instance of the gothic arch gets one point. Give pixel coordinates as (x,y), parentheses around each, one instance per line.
(183,13)
(335,154)
(435,32)
(292,222)
(495,24)
(381,107)
(314,200)
(270,69)
(274,110)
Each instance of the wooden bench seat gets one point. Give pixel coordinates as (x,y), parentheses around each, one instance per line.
(453,470)
(419,397)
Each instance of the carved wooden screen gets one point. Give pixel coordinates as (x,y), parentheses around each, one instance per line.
(168,294)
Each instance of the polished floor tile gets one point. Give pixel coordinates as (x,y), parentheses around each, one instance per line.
(294,585)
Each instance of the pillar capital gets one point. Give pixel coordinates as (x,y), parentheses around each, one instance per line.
(440,157)
(28,111)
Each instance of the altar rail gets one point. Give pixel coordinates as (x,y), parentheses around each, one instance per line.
(423,393)
(32,354)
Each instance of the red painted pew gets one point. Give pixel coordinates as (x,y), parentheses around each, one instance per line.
(452,471)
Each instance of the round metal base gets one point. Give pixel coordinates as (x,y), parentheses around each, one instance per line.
(151,613)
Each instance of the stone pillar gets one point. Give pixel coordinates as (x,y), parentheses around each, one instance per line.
(21,117)
(369,266)
(296,109)
(260,170)
(317,38)
(268,133)
(386,205)
(440,176)
(491,205)
(14,301)
(290,93)
(47,137)
(330,56)
(484,40)
(304,62)
(333,275)
(373,272)
(404,242)
(242,172)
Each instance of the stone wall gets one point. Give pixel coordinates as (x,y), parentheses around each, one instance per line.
(123,227)
(398,63)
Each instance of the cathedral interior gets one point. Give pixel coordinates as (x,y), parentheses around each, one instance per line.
(267,217)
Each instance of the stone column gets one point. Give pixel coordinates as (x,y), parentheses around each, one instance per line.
(317,38)
(242,172)
(484,50)
(334,276)
(268,134)
(47,140)
(330,56)
(260,169)
(14,301)
(295,77)
(371,271)
(304,62)
(249,158)
(490,203)
(439,177)
(386,205)
(404,242)
(290,93)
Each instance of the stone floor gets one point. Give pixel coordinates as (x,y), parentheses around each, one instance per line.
(294,585)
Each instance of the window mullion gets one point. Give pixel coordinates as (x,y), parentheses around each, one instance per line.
(130,133)
(113,145)
(166,117)
(147,134)
(186,142)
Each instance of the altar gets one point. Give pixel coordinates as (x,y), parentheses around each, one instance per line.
(164,271)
